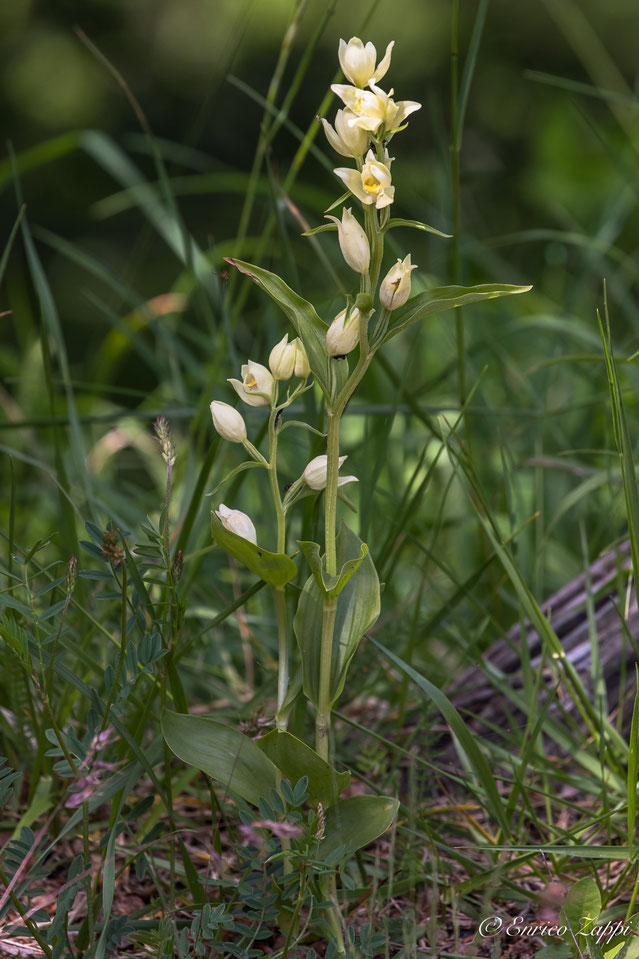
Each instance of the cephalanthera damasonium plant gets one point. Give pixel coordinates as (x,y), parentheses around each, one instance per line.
(341,597)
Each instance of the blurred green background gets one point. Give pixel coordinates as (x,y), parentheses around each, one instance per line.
(548,196)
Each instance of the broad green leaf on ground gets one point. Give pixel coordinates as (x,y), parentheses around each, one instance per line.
(581,907)
(276,569)
(358,607)
(443,298)
(301,314)
(355,822)
(295,759)
(460,730)
(224,754)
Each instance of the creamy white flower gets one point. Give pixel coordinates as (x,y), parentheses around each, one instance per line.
(394,113)
(353,241)
(358,61)
(315,473)
(302,366)
(282,359)
(237,522)
(228,422)
(395,287)
(366,109)
(342,337)
(256,380)
(373,184)
(373,110)
(347,139)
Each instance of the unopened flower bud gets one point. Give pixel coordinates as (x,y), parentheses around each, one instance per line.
(320,826)
(282,359)
(395,287)
(256,386)
(315,473)
(302,366)
(228,422)
(237,522)
(342,336)
(353,241)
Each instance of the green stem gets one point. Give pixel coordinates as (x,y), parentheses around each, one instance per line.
(323,714)
(282,636)
(330,496)
(278,592)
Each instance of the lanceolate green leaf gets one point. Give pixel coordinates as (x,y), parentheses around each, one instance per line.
(295,759)
(355,822)
(459,729)
(248,465)
(357,609)
(300,312)
(276,569)
(324,228)
(415,225)
(225,754)
(443,298)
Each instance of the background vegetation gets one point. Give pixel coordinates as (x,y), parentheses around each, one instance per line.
(131,144)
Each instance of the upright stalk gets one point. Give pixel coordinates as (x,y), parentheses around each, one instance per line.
(278,591)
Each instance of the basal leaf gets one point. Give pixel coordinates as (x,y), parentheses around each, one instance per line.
(582,906)
(355,822)
(295,759)
(221,752)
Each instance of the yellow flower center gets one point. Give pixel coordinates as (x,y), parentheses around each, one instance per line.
(250,382)
(370,183)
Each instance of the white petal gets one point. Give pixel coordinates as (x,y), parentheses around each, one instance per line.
(335,140)
(382,67)
(353,180)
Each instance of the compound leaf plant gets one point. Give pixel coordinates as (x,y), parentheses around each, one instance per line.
(341,596)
